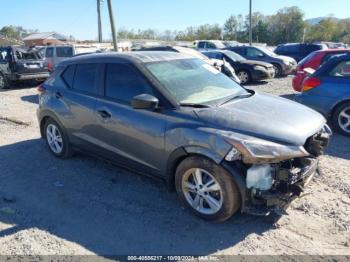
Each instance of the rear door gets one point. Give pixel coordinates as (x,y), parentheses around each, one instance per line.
(129,136)
(78,100)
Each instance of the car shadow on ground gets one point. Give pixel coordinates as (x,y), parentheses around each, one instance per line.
(20,85)
(31,98)
(289,96)
(256,83)
(339,146)
(107,210)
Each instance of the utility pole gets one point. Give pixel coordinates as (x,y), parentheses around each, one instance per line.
(250,23)
(99,23)
(111,18)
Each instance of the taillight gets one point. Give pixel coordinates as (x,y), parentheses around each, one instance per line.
(41,89)
(311,82)
(49,67)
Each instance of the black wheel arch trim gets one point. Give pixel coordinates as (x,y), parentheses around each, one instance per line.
(47,114)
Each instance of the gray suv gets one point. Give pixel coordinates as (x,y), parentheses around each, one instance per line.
(222,147)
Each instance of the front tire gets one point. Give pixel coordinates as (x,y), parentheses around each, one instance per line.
(278,70)
(244,77)
(207,189)
(341,119)
(56,139)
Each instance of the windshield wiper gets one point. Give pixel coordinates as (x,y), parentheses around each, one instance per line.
(194,105)
(236,97)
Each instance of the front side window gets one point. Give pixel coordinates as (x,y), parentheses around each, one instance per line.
(341,70)
(194,81)
(252,52)
(211,45)
(85,78)
(123,83)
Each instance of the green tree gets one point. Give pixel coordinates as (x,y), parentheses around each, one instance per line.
(231,28)
(287,25)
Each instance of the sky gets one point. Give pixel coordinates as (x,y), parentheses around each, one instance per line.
(78,17)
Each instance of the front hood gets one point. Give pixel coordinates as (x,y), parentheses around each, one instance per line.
(267,117)
(287,59)
(254,62)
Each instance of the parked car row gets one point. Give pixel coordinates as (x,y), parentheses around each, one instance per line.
(283,65)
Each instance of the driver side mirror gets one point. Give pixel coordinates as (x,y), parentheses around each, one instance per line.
(144,101)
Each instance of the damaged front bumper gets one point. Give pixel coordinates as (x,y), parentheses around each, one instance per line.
(290,179)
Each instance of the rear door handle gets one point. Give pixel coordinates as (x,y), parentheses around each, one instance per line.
(104,114)
(58,95)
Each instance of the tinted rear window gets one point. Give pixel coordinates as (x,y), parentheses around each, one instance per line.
(68,75)
(85,78)
(64,51)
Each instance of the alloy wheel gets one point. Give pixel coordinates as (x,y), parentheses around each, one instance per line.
(2,82)
(344,120)
(54,138)
(202,191)
(243,76)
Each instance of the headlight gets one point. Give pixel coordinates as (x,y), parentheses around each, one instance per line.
(254,150)
(259,68)
(287,63)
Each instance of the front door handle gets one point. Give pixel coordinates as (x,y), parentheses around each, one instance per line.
(104,114)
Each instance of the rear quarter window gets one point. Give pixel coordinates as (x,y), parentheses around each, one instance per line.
(68,75)
(342,69)
(64,51)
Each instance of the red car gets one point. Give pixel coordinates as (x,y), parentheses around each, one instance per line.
(314,61)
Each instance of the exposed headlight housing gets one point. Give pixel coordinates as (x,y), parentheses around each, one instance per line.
(259,68)
(254,150)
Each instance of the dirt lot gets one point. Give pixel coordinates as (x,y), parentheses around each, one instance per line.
(86,206)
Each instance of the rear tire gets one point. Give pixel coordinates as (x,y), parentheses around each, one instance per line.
(341,119)
(56,139)
(3,82)
(214,196)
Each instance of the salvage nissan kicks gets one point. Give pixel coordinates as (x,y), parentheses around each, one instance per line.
(223,148)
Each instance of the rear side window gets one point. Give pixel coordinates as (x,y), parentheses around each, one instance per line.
(49,52)
(341,70)
(64,51)
(68,75)
(329,56)
(123,83)
(201,45)
(85,78)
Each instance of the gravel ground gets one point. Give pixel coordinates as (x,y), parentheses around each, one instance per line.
(86,206)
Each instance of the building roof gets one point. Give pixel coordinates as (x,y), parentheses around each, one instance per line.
(50,35)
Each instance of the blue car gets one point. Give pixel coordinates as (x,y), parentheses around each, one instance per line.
(328,91)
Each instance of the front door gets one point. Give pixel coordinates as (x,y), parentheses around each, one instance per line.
(132,137)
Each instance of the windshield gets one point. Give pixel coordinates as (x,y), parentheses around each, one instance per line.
(234,56)
(267,51)
(192,81)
